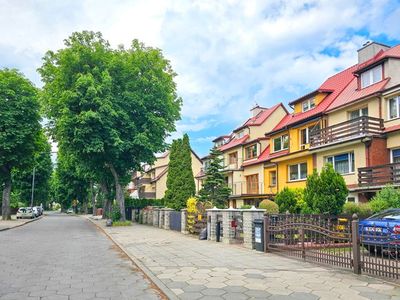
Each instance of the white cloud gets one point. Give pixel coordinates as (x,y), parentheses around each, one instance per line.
(228,54)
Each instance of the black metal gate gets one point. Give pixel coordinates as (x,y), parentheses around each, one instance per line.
(175,220)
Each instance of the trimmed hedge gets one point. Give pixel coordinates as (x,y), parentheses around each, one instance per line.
(142,203)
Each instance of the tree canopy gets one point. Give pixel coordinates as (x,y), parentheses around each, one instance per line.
(112,108)
(215,188)
(180,180)
(19,128)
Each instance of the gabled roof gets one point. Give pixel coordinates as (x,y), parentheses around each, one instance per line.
(381,55)
(234,143)
(334,85)
(260,118)
(221,138)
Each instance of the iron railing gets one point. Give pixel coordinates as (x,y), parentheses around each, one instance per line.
(348,130)
(379,175)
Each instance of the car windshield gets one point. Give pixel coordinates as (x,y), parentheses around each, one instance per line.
(22,210)
(387,215)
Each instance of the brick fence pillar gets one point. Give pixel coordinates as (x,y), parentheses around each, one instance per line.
(161,219)
(228,230)
(156,216)
(144,216)
(184,221)
(167,213)
(249,215)
(150,217)
(212,223)
(133,215)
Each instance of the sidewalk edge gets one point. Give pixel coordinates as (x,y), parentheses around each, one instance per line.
(164,289)
(19,225)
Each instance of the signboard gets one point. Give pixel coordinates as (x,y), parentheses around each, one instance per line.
(257,234)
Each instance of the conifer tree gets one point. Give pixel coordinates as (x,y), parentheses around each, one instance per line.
(180,180)
(215,188)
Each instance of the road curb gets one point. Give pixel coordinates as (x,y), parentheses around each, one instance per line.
(160,285)
(19,225)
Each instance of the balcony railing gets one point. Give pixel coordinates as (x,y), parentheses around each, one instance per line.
(355,128)
(232,165)
(147,195)
(141,180)
(379,175)
(246,188)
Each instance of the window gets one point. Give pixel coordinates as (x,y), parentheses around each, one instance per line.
(394,108)
(252,184)
(342,163)
(251,151)
(281,143)
(305,135)
(351,199)
(371,76)
(272,178)
(240,134)
(233,158)
(358,113)
(308,104)
(298,172)
(396,156)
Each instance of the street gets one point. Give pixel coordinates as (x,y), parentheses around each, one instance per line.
(66,257)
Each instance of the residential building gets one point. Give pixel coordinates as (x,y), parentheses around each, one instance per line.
(151,183)
(241,151)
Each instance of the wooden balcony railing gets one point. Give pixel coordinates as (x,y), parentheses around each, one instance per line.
(379,175)
(246,188)
(232,165)
(355,128)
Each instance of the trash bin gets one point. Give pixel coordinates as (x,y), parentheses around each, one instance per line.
(259,234)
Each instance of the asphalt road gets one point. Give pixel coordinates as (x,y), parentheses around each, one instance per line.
(66,257)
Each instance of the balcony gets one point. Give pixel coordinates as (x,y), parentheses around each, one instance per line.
(380,175)
(139,181)
(147,195)
(232,165)
(246,188)
(345,131)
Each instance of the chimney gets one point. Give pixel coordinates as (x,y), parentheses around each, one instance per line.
(256,110)
(369,50)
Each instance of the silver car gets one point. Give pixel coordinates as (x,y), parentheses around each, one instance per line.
(25,213)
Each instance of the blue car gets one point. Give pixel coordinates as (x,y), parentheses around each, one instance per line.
(381,231)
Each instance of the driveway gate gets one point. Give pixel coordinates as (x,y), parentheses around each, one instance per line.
(175,220)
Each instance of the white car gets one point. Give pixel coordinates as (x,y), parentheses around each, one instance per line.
(35,211)
(25,213)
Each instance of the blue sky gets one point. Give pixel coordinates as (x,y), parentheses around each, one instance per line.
(229,54)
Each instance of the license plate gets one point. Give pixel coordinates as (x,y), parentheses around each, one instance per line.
(373,229)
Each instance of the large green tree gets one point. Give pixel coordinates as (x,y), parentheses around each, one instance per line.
(180,180)
(215,188)
(19,128)
(111,108)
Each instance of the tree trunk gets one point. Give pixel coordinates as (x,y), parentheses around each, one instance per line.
(119,193)
(107,201)
(93,198)
(6,213)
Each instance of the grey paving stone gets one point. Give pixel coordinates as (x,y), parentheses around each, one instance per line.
(194,288)
(191,295)
(258,276)
(235,289)
(303,296)
(255,293)
(235,296)
(374,296)
(213,292)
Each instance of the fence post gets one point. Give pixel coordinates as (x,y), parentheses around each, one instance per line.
(266,233)
(355,236)
(303,248)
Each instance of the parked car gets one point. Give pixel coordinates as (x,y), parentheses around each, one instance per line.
(70,211)
(25,213)
(40,210)
(381,231)
(35,211)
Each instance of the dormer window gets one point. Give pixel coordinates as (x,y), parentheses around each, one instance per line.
(371,76)
(240,134)
(308,104)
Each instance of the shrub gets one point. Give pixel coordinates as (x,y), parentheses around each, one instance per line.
(363,210)
(245,206)
(378,204)
(115,214)
(122,223)
(390,195)
(141,203)
(326,193)
(270,206)
(286,200)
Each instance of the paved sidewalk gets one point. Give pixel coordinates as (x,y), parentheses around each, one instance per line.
(194,269)
(9,224)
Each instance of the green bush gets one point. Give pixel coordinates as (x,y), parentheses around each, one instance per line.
(245,206)
(388,194)
(142,203)
(270,206)
(115,214)
(122,223)
(326,193)
(363,210)
(378,205)
(291,200)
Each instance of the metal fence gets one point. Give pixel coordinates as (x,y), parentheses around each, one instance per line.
(336,241)
(175,220)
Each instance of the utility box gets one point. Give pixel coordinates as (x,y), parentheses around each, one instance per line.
(259,234)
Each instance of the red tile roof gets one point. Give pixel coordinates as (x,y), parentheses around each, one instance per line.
(266,155)
(234,143)
(260,118)
(335,84)
(392,128)
(352,93)
(390,53)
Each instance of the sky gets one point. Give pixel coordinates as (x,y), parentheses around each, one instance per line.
(229,54)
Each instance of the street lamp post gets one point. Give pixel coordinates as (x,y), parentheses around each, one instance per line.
(33,185)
